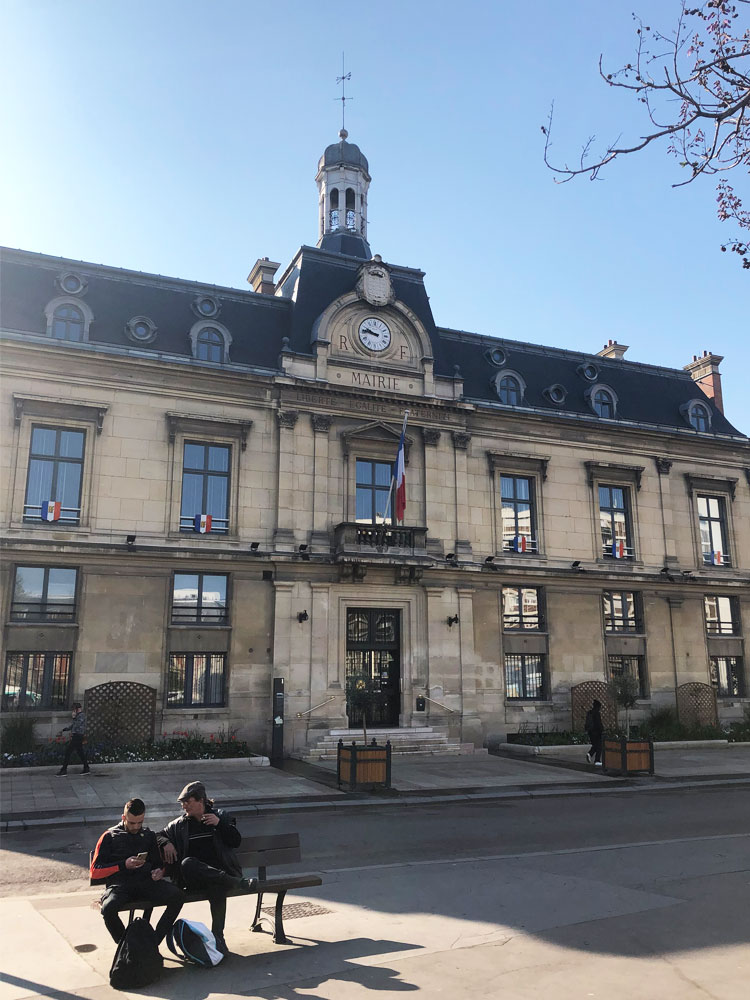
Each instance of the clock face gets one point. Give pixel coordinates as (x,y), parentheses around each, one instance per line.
(374,334)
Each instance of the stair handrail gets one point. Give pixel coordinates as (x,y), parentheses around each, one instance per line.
(433,702)
(309,710)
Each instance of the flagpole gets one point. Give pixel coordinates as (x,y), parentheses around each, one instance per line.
(393,478)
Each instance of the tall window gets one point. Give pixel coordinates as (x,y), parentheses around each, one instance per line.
(199,598)
(209,345)
(726,676)
(68,323)
(524,676)
(721,614)
(614,518)
(509,390)
(44,593)
(350,209)
(373,485)
(196,679)
(522,609)
(55,475)
(517,512)
(635,666)
(713,529)
(622,611)
(205,486)
(36,680)
(334,216)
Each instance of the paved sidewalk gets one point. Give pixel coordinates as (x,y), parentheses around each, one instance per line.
(36,796)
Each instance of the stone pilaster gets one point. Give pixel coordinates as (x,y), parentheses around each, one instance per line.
(283,537)
(462,545)
(321,425)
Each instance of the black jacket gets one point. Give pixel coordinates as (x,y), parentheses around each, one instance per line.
(113,849)
(226,839)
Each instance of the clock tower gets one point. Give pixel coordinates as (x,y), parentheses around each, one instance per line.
(343,179)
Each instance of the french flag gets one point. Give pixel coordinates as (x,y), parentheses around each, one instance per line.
(202,523)
(400,477)
(51,510)
(618,549)
(519,543)
(717,558)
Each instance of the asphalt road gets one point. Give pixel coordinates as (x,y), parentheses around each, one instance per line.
(54,858)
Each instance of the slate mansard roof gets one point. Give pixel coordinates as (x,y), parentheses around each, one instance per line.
(261,326)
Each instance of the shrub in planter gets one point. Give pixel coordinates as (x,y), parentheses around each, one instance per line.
(18,734)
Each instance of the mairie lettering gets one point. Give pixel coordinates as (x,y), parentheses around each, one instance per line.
(385,382)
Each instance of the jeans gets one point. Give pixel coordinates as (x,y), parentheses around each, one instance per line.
(75,746)
(159,893)
(214,882)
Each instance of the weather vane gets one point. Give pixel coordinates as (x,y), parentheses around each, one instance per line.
(342,80)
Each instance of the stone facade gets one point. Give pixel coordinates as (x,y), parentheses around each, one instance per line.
(297,556)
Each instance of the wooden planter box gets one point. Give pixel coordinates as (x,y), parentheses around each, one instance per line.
(361,766)
(624,756)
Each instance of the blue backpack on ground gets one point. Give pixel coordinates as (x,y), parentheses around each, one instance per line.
(193,941)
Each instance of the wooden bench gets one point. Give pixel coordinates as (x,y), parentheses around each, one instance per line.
(255,853)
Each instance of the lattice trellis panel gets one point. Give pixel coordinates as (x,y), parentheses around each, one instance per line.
(120,713)
(696,704)
(581,697)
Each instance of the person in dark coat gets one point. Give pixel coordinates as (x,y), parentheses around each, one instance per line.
(129,877)
(203,843)
(77,730)
(595,727)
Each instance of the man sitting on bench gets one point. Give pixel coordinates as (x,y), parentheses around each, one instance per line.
(203,842)
(127,859)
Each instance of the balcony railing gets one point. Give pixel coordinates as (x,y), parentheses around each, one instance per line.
(361,539)
(628,551)
(38,611)
(68,515)
(716,559)
(219,525)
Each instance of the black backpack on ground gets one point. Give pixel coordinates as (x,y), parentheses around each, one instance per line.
(137,961)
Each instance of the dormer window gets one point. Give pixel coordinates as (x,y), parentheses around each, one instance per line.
(556,394)
(602,401)
(71,284)
(206,306)
(68,319)
(509,387)
(210,345)
(496,356)
(588,371)
(210,342)
(697,415)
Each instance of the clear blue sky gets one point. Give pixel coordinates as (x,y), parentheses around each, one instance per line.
(182,138)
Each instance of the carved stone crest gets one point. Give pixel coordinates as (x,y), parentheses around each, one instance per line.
(374,284)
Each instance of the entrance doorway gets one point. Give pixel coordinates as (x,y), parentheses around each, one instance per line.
(373,648)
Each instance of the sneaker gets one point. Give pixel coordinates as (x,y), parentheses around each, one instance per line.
(597,763)
(248,884)
(589,758)
(221,944)
(61,774)
(86,770)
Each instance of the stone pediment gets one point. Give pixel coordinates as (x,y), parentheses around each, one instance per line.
(375,432)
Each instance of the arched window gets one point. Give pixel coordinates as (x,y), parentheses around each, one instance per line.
(334,216)
(350,208)
(603,403)
(68,323)
(509,390)
(699,418)
(209,345)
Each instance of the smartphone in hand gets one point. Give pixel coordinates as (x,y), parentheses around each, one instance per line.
(142,856)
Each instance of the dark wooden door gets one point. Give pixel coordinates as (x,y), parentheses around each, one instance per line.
(373,648)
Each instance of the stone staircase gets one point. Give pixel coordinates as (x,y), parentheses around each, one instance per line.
(422,741)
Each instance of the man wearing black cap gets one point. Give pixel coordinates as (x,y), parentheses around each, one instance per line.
(203,842)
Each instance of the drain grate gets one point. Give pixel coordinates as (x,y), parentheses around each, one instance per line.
(294,910)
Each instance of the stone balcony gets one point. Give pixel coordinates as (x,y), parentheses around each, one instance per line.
(383,541)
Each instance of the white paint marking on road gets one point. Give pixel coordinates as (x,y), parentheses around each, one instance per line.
(538,854)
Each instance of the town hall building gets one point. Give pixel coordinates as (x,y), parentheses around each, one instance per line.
(197,500)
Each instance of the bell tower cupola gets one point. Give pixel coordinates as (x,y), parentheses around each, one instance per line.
(343,179)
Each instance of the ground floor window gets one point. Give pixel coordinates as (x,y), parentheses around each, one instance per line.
(36,680)
(726,676)
(634,666)
(196,679)
(524,676)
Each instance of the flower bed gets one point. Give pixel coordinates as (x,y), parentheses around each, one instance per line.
(179,745)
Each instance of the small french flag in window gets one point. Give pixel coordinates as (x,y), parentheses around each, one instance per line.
(618,549)
(717,558)
(51,510)
(202,523)
(519,543)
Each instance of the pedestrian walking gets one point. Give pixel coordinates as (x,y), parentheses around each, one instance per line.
(594,728)
(77,731)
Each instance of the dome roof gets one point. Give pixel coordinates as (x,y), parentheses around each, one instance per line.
(344,152)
